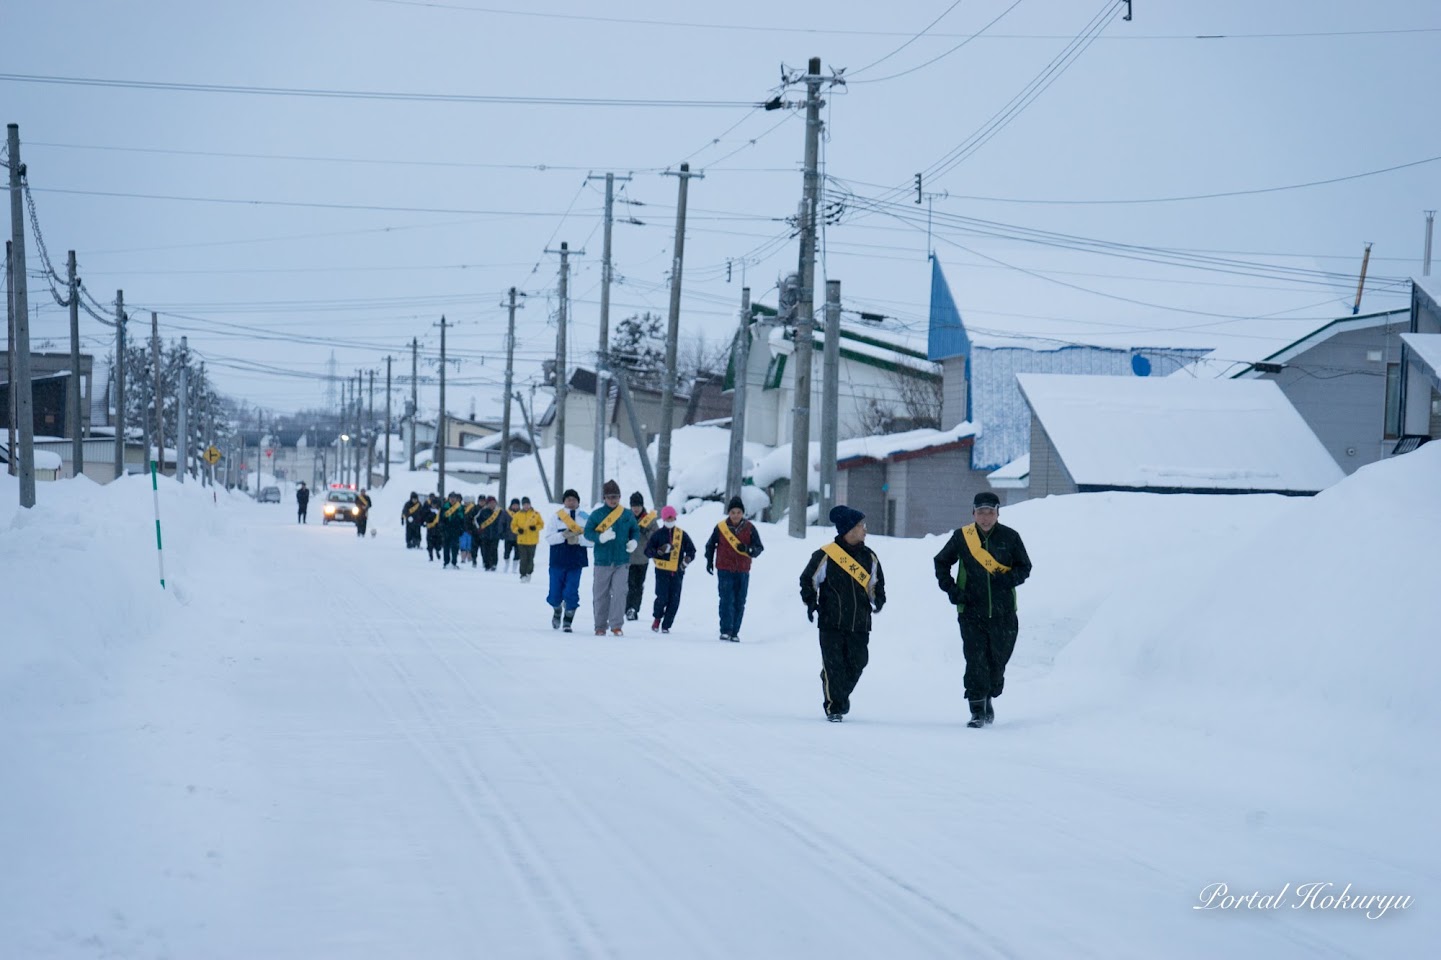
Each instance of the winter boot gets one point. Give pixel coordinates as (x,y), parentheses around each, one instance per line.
(565,624)
(632,614)
(655,625)
(555,618)
(978,714)
(990,712)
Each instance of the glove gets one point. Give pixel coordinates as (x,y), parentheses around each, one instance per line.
(532,529)
(752,550)
(811,612)
(665,550)
(955,594)
(876,606)
(606,537)
(709,567)
(630,546)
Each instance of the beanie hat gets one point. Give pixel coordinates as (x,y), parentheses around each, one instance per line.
(525,500)
(514,502)
(667,513)
(986,499)
(637,500)
(845,518)
(568,494)
(610,488)
(735,504)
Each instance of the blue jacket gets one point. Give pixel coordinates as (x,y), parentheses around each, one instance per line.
(612,553)
(563,555)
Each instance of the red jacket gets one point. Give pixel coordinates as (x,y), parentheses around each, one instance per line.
(719,551)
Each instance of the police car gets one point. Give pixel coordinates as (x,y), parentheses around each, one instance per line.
(340,505)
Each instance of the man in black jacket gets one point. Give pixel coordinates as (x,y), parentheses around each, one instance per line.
(844,583)
(302,502)
(990,561)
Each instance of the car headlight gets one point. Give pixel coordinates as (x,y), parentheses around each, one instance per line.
(329,509)
(355,511)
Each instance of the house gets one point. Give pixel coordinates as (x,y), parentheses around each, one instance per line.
(50,385)
(580,412)
(1170,435)
(1419,385)
(980,371)
(885,379)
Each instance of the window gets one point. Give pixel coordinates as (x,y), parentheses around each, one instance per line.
(1393,401)
(775,372)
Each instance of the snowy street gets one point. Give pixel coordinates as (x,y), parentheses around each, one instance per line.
(331,748)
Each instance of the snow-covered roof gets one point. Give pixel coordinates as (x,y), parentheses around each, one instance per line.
(1321,334)
(777,464)
(47,460)
(1430,286)
(1179,433)
(866,343)
(996,403)
(1425,350)
(1015,475)
(494,440)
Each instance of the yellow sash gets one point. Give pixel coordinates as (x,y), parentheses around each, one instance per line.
(614,515)
(672,562)
(450,510)
(490,519)
(565,519)
(411,508)
(982,555)
(731,538)
(849,564)
(648,519)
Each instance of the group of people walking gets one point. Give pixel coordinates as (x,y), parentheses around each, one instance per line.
(843,585)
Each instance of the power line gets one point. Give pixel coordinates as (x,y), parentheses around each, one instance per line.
(921,66)
(309,205)
(335,94)
(924,30)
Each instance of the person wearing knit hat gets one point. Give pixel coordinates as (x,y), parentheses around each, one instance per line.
(507,535)
(843,583)
(672,549)
(526,524)
(733,544)
(568,558)
(614,531)
(490,526)
(635,582)
(989,562)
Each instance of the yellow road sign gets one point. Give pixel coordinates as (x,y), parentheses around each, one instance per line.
(212,456)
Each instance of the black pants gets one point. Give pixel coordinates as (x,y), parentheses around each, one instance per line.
(844,654)
(360,524)
(988,644)
(509,550)
(300,516)
(433,545)
(667,595)
(489,552)
(635,587)
(412,535)
(451,549)
(527,558)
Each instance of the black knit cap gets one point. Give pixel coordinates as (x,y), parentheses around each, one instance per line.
(568,494)
(735,504)
(986,499)
(637,500)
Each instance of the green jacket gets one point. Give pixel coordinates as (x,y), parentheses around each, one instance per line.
(612,553)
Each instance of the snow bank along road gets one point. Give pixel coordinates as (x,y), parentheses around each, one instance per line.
(325,747)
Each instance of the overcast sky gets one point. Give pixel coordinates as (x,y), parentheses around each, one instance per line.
(366,218)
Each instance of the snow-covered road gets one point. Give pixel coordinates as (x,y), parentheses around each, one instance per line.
(347,752)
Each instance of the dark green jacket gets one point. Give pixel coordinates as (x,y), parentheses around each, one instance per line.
(977,593)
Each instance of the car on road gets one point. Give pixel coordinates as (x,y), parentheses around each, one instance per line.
(268,495)
(339,506)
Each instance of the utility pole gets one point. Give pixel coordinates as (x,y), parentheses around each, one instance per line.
(182,434)
(735,463)
(414,400)
(9,362)
(207,424)
(387,421)
(602,357)
(1361,284)
(119,384)
(661,492)
(509,388)
(440,417)
(561,386)
(77,434)
(22,410)
(370,432)
(830,397)
(1426,254)
(801,430)
(360,482)
(159,409)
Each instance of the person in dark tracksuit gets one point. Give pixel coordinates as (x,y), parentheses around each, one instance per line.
(362,500)
(844,584)
(507,533)
(989,561)
(635,585)
(412,515)
(672,549)
(732,545)
(302,502)
(489,531)
(434,545)
(452,525)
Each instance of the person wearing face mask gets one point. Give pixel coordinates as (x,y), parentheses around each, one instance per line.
(672,550)
(989,561)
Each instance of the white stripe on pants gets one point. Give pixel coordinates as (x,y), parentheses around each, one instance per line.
(608,595)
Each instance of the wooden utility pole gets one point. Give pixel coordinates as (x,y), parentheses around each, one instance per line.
(661,493)
(22,410)
(735,463)
(509,388)
(801,429)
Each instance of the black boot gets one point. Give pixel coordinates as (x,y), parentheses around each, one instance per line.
(555,618)
(990,711)
(569,616)
(978,714)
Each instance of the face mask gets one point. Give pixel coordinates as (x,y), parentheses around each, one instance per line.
(669,524)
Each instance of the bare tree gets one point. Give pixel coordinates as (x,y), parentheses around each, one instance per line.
(908,403)
(700,358)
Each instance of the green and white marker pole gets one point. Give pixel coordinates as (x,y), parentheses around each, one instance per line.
(159,550)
